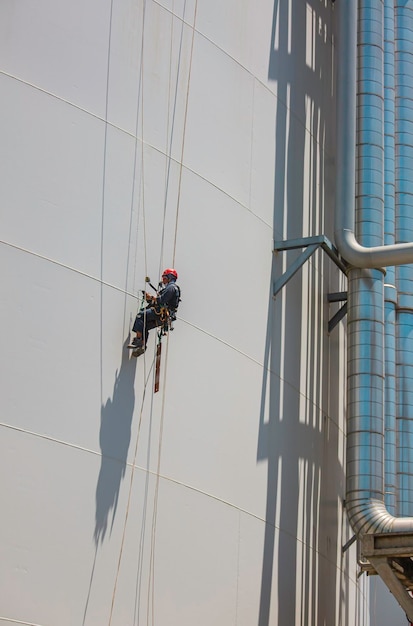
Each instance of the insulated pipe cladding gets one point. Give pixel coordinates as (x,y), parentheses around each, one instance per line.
(365,504)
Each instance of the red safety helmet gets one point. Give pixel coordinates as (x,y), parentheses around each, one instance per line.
(170,272)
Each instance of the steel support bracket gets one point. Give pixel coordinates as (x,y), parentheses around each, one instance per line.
(311,244)
(348,544)
(390,556)
(337,317)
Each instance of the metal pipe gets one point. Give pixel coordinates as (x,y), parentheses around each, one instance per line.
(390,403)
(365,504)
(404,231)
(390,292)
(355,253)
(365,398)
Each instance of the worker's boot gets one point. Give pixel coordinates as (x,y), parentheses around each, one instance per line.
(138,351)
(136,343)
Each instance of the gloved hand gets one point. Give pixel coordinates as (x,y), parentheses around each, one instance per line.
(150,299)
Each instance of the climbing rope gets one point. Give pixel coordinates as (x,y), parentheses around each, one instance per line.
(164,313)
(129,493)
(184,134)
(151,588)
(139,117)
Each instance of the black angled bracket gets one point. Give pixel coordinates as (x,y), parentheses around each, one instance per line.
(311,244)
(348,544)
(337,297)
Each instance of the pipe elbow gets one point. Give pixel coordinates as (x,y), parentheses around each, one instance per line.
(371,516)
(355,254)
(375,257)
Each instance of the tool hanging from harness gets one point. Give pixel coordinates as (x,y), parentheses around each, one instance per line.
(165,319)
(167,315)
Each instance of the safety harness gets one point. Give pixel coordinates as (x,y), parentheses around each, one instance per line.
(167,312)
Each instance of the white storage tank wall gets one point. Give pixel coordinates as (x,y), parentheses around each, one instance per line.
(139,135)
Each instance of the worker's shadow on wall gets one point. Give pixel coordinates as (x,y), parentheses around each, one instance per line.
(114,438)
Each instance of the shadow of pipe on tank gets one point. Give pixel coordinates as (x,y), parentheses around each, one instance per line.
(302,446)
(299,568)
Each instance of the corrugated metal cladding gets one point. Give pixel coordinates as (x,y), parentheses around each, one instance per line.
(138,135)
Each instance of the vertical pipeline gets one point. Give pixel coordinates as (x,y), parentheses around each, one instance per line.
(365,314)
(390,293)
(404,233)
(370,123)
(365,505)
(344,211)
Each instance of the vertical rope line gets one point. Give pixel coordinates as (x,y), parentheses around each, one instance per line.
(142,165)
(170,127)
(139,113)
(143,194)
(146,376)
(154,516)
(142,137)
(129,494)
(184,133)
(171,123)
(169,132)
(102,224)
(151,589)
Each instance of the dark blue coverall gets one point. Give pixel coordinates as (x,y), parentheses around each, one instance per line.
(148,319)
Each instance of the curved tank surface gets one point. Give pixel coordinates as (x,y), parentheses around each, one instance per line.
(138,135)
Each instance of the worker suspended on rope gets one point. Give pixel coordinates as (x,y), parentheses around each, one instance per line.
(161,311)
